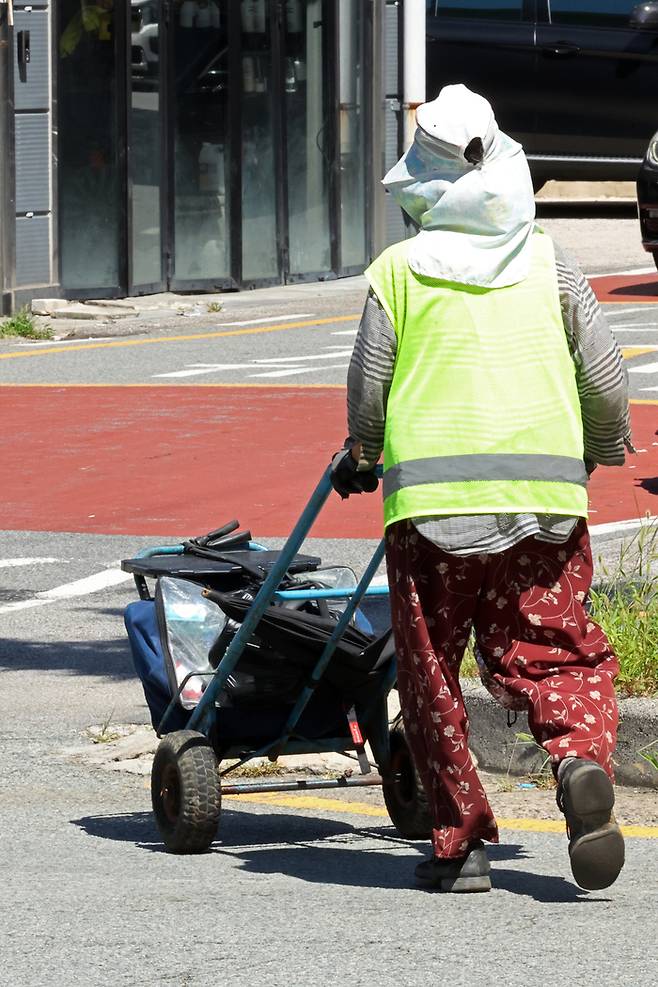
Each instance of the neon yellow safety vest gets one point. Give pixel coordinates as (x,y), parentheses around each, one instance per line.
(483,415)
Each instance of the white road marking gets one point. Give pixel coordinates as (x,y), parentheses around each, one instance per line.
(272,318)
(298,359)
(602,529)
(22,605)
(623,310)
(300,370)
(344,332)
(648,368)
(90,584)
(649,388)
(276,362)
(10,563)
(79,587)
(205,368)
(638,327)
(633,270)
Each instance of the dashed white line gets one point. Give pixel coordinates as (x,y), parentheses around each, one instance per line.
(300,370)
(79,587)
(648,368)
(272,318)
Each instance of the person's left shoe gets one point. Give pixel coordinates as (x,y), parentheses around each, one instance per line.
(459,874)
(596,845)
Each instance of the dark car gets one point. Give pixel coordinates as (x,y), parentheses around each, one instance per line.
(647,199)
(575,81)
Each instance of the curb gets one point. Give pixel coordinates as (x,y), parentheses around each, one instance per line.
(497,748)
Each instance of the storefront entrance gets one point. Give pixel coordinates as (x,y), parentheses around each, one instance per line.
(208,144)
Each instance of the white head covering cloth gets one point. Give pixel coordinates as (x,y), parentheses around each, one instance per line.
(475,219)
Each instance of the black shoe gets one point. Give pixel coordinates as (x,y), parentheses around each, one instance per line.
(596,846)
(459,874)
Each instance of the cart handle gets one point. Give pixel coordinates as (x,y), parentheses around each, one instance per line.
(201,717)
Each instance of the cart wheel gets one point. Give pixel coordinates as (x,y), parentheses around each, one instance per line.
(185,792)
(404,794)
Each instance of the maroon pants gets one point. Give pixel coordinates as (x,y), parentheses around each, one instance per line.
(538,648)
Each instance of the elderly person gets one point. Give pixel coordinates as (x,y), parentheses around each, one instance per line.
(485,371)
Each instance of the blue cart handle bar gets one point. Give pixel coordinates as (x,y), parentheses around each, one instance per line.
(202,716)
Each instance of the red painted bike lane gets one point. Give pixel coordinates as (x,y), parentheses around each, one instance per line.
(182,460)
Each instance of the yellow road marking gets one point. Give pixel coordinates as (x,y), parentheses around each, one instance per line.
(114,343)
(628,352)
(295,801)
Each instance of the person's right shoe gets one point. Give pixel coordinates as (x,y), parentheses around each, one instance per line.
(596,846)
(457,874)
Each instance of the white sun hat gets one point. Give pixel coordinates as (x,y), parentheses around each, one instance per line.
(467,186)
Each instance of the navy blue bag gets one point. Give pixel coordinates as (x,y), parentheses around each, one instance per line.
(142,627)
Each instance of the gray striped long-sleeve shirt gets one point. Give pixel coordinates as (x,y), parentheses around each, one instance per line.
(602,389)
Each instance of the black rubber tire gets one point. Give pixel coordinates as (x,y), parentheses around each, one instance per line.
(404,794)
(186,792)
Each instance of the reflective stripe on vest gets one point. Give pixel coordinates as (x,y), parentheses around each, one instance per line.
(484,466)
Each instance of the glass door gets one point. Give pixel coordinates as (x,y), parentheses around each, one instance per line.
(262,240)
(309,133)
(200,144)
(145,146)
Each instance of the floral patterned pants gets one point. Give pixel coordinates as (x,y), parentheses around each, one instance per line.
(537,647)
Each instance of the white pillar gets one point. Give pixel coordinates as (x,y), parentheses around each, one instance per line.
(413,65)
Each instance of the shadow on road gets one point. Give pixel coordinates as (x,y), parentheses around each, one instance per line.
(292,845)
(109,657)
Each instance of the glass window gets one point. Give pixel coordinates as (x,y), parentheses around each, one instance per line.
(352,136)
(88,177)
(503,10)
(595,13)
(145,150)
(308,120)
(259,217)
(201,227)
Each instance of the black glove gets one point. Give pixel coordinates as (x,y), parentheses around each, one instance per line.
(347,478)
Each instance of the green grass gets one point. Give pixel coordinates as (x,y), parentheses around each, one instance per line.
(626,606)
(23,324)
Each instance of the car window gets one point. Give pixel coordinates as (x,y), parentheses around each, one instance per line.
(594,13)
(503,10)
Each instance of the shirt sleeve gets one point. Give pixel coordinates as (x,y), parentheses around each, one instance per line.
(601,376)
(369,380)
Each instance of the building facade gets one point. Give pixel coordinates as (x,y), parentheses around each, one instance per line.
(196,144)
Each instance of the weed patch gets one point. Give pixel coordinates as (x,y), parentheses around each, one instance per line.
(22,324)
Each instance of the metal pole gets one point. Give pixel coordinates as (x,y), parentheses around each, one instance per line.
(413,65)
(7,216)
(377,136)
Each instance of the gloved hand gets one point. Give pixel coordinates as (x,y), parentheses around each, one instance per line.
(347,478)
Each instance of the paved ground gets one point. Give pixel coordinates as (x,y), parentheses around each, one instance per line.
(294,891)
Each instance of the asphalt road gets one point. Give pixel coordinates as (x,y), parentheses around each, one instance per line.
(309,346)
(292,892)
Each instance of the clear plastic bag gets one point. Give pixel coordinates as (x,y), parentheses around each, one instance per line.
(189,625)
